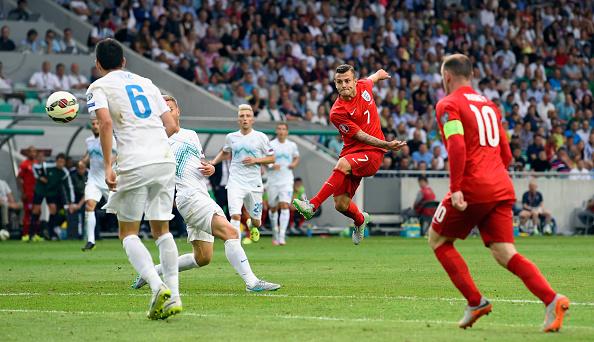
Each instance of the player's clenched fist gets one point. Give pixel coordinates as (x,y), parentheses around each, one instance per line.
(110,179)
(395,145)
(382,74)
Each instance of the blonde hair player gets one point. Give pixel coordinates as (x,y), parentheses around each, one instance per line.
(249,149)
(203,216)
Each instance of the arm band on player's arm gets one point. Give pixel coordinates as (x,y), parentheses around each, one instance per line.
(457,159)
(453,127)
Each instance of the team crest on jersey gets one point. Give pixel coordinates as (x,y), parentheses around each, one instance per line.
(366,96)
(344,128)
(89,97)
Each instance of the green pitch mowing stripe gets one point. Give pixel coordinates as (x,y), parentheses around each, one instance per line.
(386,289)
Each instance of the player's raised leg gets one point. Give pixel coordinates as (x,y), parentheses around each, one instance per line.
(348,208)
(456,268)
(556,304)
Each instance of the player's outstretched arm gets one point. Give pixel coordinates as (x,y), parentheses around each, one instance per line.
(379,75)
(365,138)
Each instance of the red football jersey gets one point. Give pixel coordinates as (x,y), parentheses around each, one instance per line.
(485,176)
(360,113)
(26,174)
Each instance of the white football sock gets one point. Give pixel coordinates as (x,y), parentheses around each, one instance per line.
(90,222)
(141,260)
(169,263)
(274,224)
(237,258)
(185,262)
(284,223)
(236,224)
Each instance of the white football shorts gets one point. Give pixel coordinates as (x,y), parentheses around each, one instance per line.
(238,197)
(279,194)
(94,192)
(148,189)
(198,210)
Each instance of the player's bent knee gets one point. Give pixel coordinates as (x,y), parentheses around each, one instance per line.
(236,217)
(284,205)
(502,252)
(343,165)
(256,223)
(90,205)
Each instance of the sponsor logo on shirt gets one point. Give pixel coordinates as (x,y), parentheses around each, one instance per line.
(344,128)
(366,96)
(89,97)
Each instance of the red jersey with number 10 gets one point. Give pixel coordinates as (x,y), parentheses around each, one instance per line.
(360,113)
(485,176)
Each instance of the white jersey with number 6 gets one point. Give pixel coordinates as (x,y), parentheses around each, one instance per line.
(136,106)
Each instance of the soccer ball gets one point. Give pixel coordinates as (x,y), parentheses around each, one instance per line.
(4,235)
(61,106)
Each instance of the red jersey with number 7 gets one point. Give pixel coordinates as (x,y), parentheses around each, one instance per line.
(472,115)
(360,113)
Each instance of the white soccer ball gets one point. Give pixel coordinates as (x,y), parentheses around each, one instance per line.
(4,235)
(61,106)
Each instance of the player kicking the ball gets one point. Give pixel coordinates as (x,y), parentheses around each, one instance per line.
(249,149)
(203,216)
(355,116)
(95,189)
(481,194)
(131,108)
(280,182)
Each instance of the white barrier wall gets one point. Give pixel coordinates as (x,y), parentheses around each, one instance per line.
(561,196)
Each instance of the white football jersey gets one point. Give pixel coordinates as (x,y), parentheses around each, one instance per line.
(188,153)
(254,144)
(96,171)
(284,154)
(136,106)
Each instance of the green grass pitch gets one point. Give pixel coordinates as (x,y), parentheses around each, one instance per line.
(386,289)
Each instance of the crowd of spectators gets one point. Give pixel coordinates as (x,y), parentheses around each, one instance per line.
(534,61)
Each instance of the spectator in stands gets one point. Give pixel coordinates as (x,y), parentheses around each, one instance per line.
(6,44)
(77,80)
(80,8)
(541,164)
(424,196)
(437,162)
(532,210)
(44,79)
(7,202)
(50,44)
(579,172)
(100,31)
(67,43)
(63,79)
(335,144)
(5,83)
(30,43)
(422,155)
(20,12)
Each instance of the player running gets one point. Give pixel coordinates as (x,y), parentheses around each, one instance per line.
(355,116)
(95,189)
(280,182)
(130,107)
(481,194)
(249,149)
(203,216)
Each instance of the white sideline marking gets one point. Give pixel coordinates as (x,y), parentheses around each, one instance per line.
(214,294)
(287,317)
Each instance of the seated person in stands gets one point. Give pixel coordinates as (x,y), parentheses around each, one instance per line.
(424,196)
(586,216)
(532,210)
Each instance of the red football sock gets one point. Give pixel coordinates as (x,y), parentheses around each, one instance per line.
(532,278)
(335,179)
(354,213)
(456,267)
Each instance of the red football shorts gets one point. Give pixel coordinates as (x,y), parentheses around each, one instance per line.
(493,219)
(363,164)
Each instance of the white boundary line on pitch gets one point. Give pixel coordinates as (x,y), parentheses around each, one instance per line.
(214,294)
(288,317)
